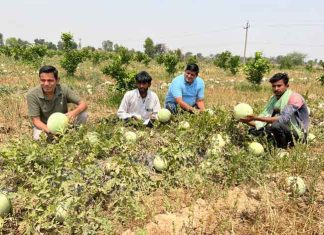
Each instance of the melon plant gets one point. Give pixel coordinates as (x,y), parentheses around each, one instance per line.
(61,213)
(184,125)
(164,115)
(256,148)
(5,205)
(296,185)
(57,122)
(217,140)
(311,137)
(159,164)
(92,137)
(242,110)
(130,136)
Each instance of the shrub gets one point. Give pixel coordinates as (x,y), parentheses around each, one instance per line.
(256,67)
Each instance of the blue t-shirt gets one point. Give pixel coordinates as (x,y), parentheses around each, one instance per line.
(190,93)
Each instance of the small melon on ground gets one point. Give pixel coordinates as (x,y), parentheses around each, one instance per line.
(159,164)
(184,125)
(210,112)
(57,122)
(164,115)
(242,110)
(296,185)
(5,205)
(283,153)
(130,136)
(256,148)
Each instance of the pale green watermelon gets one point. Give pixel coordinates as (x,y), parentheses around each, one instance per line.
(5,205)
(57,123)
(242,110)
(164,115)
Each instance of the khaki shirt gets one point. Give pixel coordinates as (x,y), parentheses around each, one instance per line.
(40,106)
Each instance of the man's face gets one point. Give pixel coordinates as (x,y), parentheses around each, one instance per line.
(279,88)
(143,86)
(48,82)
(190,76)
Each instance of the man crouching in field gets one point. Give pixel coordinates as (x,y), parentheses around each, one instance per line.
(50,97)
(187,91)
(285,116)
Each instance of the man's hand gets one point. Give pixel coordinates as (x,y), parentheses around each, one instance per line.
(137,117)
(248,119)
(71,115)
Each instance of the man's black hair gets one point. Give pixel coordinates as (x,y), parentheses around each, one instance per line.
(280,76)
(48,69)
(193,68)
(143,77)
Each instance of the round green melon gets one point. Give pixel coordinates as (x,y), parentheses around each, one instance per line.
(159,164)
(57,122)
(296,185)
(5,205)
(242,110)
(184,125)
(210,112)
(256,148)
(164,115)
(283,153)
(130,136)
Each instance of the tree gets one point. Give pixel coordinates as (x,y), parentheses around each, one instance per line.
(321,63)
(222,59)
(107,45)
(160,48)
(149,48)
(49,45)
(61,46)
(226,61)
(256,67)
(71,57)
(13,42)
(1,40)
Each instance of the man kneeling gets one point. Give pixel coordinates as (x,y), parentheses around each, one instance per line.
(141,103)
(285,116)
(50,97)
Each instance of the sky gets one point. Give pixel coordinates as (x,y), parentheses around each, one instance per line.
(277,27)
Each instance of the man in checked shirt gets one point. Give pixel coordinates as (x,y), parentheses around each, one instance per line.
(141,103)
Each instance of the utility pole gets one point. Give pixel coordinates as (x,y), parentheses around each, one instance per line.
(246,34)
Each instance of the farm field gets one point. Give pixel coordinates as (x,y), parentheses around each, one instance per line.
(75,186)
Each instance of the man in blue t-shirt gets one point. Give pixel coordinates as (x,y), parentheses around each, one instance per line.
(187,91)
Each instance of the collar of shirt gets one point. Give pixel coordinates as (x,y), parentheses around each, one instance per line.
(187,83)
(40,92)
(145,98)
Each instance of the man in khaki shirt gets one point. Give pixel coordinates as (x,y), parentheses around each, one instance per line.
(50,97)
